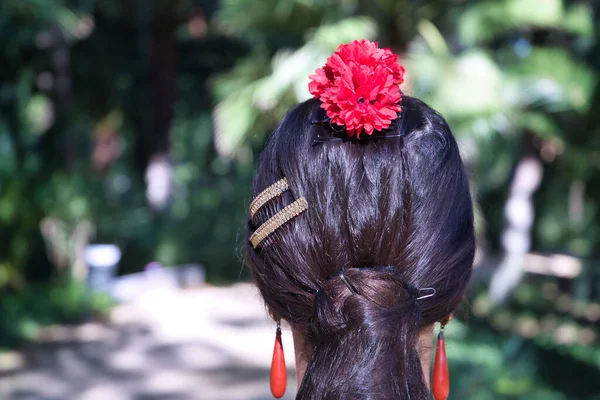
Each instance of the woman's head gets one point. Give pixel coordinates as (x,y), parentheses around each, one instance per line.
(394,213)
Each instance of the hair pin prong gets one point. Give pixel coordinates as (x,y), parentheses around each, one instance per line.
(343,278)
(431,293)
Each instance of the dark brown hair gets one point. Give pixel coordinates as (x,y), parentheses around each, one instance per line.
(394,214)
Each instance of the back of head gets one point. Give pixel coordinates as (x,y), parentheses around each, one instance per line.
(394,214)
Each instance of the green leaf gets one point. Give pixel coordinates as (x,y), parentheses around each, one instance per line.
(487,19)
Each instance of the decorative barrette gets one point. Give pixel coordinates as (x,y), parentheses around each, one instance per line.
(267,195)
(359,87)
(277,220)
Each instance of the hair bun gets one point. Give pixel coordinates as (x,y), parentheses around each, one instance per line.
(363,298)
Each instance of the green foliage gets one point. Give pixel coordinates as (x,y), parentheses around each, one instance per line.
(73,90)
(540,345)
(259,92)
(25,313)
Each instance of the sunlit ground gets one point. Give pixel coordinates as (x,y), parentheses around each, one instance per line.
(211,343)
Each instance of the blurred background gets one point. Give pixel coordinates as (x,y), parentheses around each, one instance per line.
(128,135)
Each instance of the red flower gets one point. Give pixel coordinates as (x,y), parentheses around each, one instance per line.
(359,87)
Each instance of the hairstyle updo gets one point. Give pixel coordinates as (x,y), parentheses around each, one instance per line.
(395,215)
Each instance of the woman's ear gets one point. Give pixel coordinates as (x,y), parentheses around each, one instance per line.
(447,320)
(273,315)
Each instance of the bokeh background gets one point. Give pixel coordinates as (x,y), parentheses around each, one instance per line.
(137,124)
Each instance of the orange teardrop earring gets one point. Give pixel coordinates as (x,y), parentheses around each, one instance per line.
(278,371)
(440,382)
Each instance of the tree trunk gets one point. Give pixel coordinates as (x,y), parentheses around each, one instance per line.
(161,90)
(516,238)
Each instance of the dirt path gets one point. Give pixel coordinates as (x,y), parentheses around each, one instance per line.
(210,343)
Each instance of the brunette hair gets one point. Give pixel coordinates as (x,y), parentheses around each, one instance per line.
(395,215)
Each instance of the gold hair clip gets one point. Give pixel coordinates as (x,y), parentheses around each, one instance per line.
(268,194)
(277,220)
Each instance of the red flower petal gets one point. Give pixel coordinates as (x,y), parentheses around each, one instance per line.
(359,87)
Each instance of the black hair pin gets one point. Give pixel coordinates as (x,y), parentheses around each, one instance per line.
(333,132)
(343,278)
(321,139)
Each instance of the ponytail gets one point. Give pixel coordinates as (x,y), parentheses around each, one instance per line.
(364,344)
